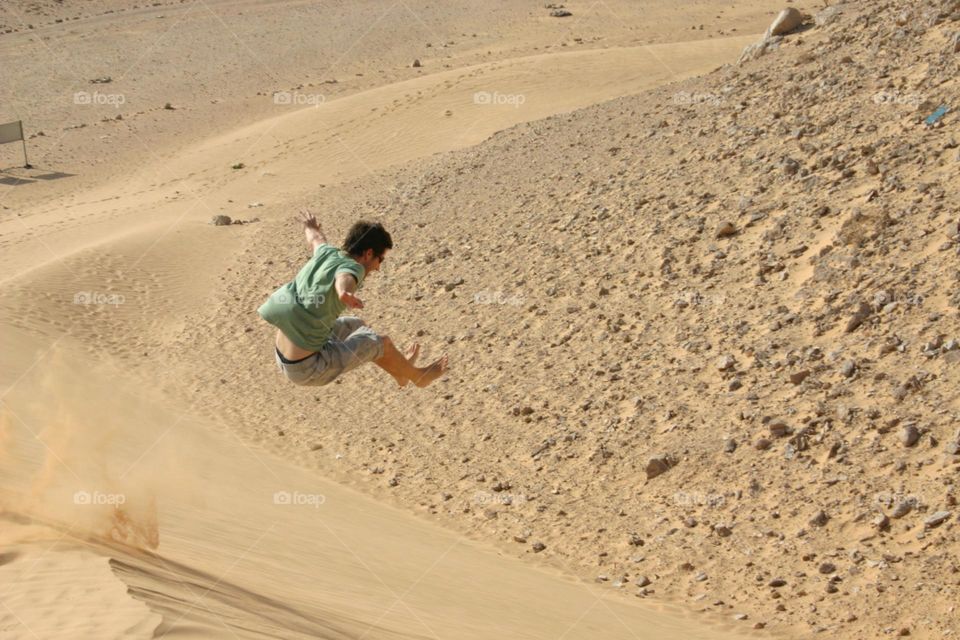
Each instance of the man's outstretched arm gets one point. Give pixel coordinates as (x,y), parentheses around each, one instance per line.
(311,228)
(346,285)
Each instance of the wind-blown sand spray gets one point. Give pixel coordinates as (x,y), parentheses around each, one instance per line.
(225,541)
(81,453)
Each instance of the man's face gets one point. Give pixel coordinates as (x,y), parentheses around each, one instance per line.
(372,261)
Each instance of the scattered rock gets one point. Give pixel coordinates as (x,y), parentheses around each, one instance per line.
(936,519)
(778,429)
(560,13)
(820,519)
(828,16)
(902,508)
(759,49)
(726,363)
(900,392)
(220,220)
(862,313)
(538,547)
(909,435)
(762,444)
(416,64)
(848,368)
(659,464)
(726,229)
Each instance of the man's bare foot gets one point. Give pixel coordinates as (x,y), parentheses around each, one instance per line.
(431,372)
(411,354)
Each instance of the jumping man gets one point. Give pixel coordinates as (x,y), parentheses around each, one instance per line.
(314,345)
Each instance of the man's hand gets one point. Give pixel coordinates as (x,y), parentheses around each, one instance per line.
(351,300)
(312,229)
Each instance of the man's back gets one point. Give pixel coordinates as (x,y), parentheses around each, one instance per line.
(306,308)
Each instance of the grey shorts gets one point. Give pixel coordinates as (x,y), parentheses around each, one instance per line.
(351,344)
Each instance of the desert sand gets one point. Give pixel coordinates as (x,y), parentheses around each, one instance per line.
(219,539)
(703,360)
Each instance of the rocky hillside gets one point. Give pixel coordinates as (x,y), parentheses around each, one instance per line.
(705,341)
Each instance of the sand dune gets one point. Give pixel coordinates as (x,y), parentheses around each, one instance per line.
(290,155)
(226,541)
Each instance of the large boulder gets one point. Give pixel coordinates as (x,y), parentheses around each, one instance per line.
(789,20)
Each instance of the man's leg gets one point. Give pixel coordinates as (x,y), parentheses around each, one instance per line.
(362,344)
(404,371)
(346,325)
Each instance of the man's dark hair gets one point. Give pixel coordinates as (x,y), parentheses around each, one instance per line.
(367,235)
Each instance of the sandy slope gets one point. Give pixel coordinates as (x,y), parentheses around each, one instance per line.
(290,155)
(249,546)
(144,241)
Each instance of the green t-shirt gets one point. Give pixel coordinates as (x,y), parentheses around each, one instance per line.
(306,308)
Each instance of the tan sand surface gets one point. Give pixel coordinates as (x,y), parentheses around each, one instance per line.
(227,541)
